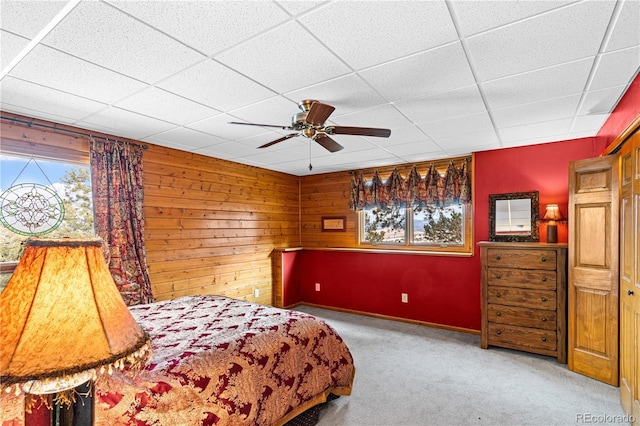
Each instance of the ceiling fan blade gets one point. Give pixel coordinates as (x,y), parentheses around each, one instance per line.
(328,143)
(358,131)
(262,125)
(284,138)
(319,113)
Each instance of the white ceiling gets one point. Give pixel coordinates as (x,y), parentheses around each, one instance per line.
(447,77)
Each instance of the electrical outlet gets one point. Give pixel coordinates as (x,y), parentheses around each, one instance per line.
(256,293)
(317,286)
(405,298)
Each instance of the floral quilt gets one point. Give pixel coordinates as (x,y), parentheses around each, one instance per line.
(221,361)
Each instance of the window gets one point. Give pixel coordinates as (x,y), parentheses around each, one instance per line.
(70,181)
(428,226)
(434,223)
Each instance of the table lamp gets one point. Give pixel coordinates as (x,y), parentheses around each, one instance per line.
(63,322)
(552,215)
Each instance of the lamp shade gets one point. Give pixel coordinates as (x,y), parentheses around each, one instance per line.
(63,320)
(552,213)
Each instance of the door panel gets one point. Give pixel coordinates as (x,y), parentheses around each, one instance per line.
(593,268)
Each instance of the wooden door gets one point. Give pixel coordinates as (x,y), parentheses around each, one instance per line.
(593,268)
(630,276)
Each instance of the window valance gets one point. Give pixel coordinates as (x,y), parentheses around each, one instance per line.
(414,190)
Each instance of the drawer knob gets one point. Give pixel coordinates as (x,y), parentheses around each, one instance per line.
(499,332)
(544,339)
(498,294)
(629,292)
(544,279)
(498,257)
(498,314)
(498,276)
(544,259)
(544,299)
(544,320)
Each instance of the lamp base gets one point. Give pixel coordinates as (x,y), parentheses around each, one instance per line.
(552,233)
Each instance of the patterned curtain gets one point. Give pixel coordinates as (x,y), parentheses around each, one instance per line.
(414,191)
(116,173)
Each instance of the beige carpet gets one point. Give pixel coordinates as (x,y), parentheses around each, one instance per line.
(416,375)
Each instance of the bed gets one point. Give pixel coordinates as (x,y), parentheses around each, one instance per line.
(221,361)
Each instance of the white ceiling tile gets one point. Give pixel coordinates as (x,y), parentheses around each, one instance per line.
(540,131)
(275,111)
(626,32)
(270,59)
(465,101)
(405,134)
(457,125)
(189,139)
(207,26)
(569,33)
(158,103)
(69,74)
(468,142)
(422,148)
(589,123)
(601,101)
(391,30)
(28,18)
(45,100)
(10,46)
(215,85)
(98,33)
(536,112)
(297,7)
(478,16)
(227,150)
(348,94)
(383,116)
(434,71)
(121,123)
(535,86)
(219,126)
(616,68)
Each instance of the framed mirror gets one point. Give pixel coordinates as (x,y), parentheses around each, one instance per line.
(513,216)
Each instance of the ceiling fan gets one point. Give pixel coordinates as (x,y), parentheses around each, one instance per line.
(310,123)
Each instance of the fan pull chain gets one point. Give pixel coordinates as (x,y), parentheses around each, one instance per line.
(310,166)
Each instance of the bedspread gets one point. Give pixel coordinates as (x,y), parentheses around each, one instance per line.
(221,361)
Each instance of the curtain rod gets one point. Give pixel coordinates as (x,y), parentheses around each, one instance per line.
(31,123)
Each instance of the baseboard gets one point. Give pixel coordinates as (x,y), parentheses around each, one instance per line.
(387,317)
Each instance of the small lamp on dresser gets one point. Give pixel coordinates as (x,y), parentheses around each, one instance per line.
(552,215)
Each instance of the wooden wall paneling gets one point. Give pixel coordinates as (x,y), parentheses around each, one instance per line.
(210,224)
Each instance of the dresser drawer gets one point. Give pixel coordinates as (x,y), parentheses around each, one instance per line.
(525,317)
(539,299)
(522,336)
(527,278)
(522,259)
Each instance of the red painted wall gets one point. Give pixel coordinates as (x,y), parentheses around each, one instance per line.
(291,275)
(446,290)
(625,112)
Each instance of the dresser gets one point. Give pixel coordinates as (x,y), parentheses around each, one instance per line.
(524,297)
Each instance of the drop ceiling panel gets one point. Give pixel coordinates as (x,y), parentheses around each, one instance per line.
(216,86)
(391,32)
(569,33)
(446,77)
(98,33)
(28,18)
(547,83)
(428,73)
(479,16)
(272,59)
(207,26)
(72,75)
